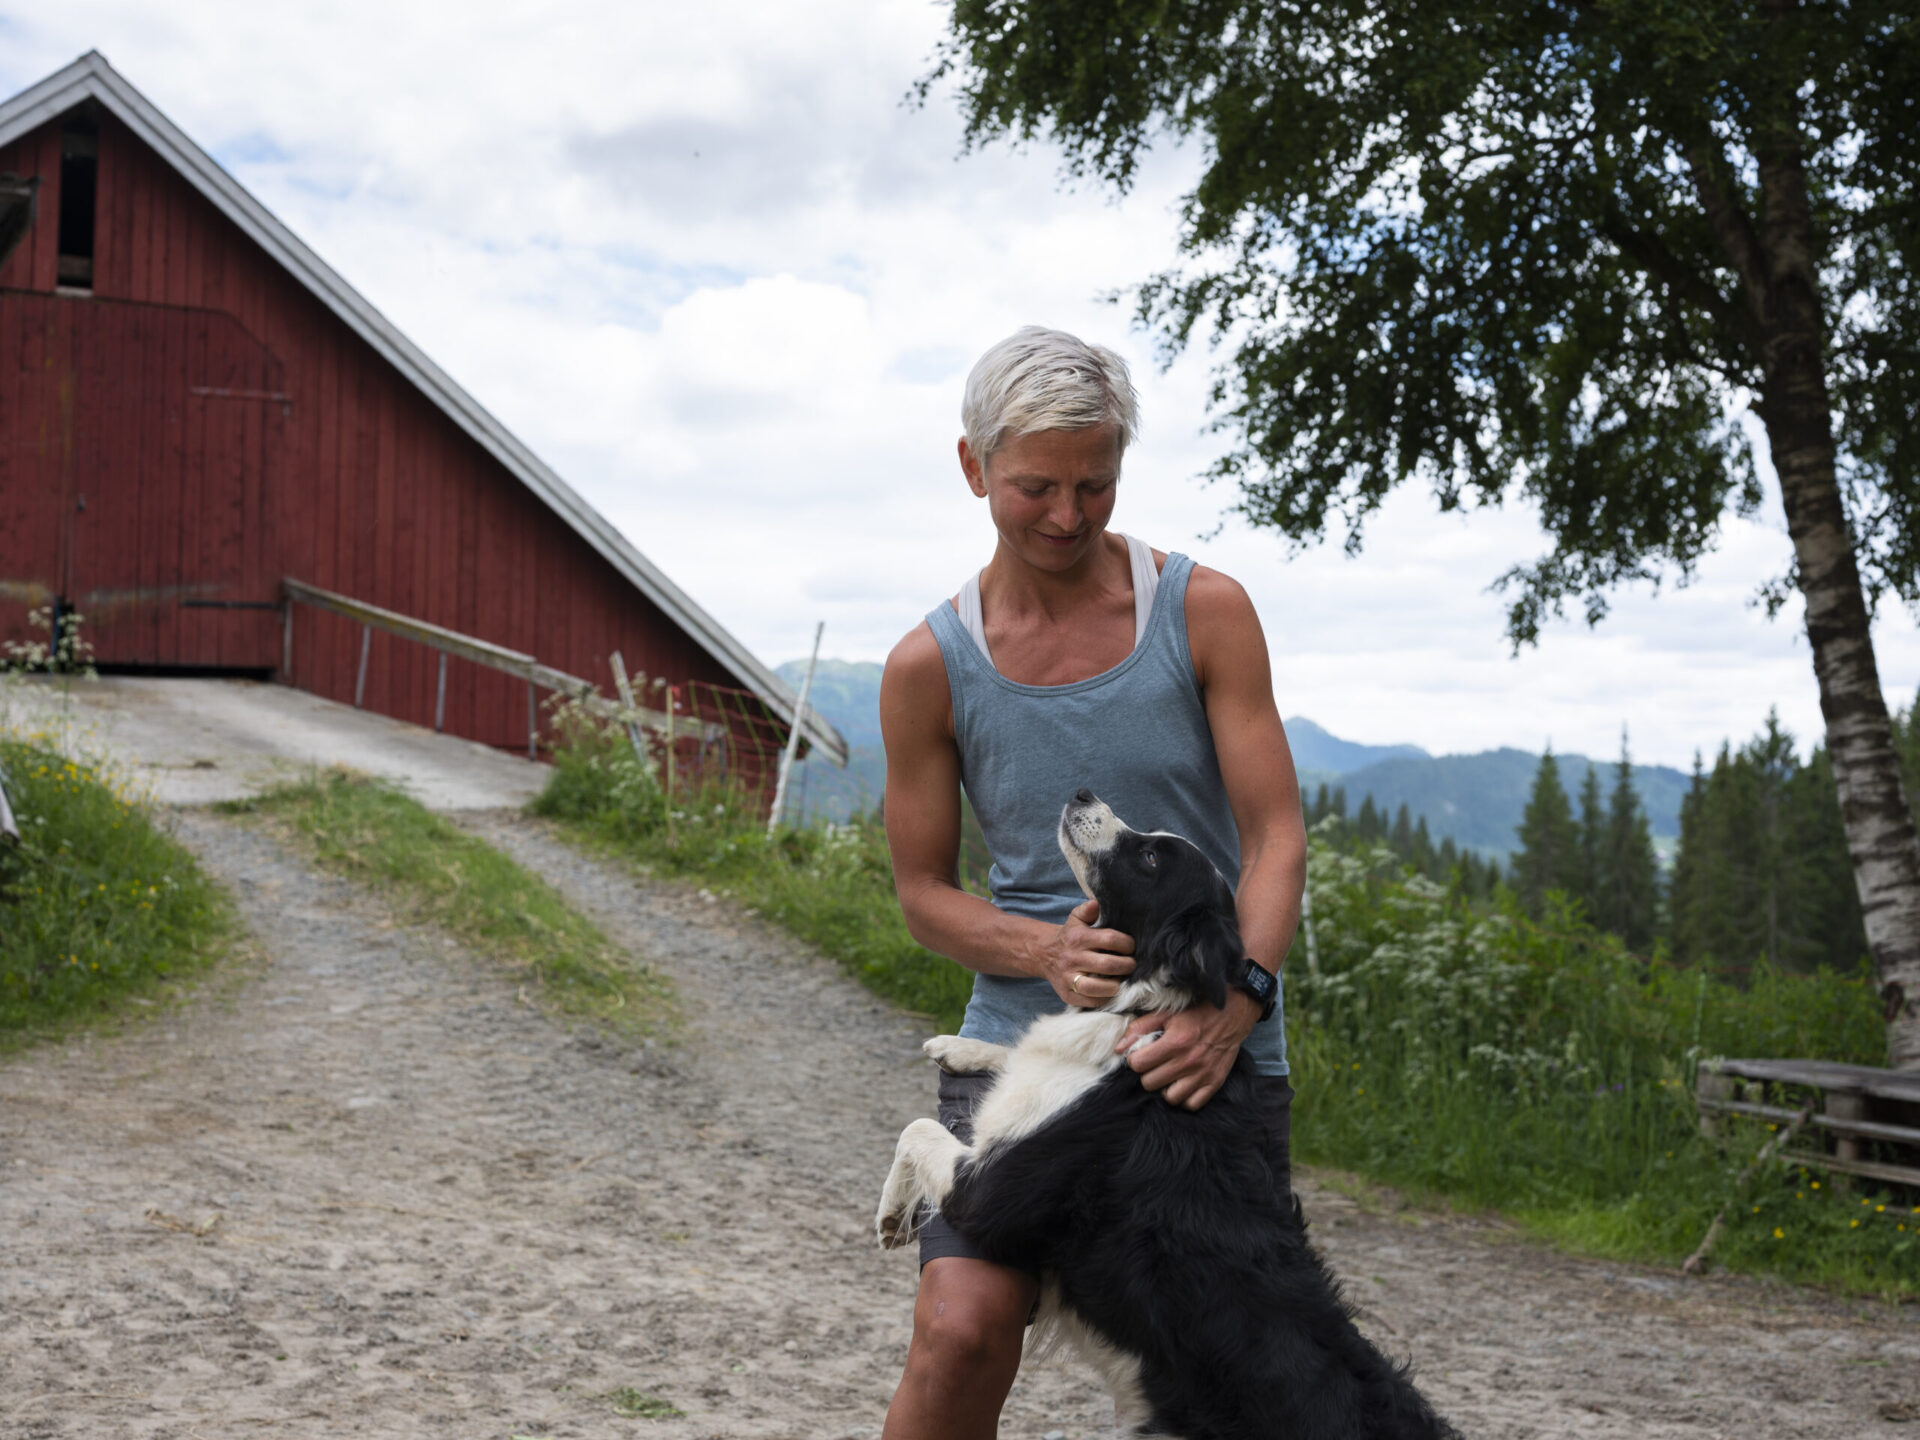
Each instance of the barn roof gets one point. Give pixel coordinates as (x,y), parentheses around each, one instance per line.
(92,78)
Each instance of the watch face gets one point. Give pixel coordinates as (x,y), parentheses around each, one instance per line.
(1258,980)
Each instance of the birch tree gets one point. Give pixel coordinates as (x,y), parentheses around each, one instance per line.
(1551,252)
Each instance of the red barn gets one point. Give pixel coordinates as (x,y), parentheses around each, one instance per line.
(196,409)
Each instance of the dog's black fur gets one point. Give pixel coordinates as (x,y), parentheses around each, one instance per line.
(1167,1231)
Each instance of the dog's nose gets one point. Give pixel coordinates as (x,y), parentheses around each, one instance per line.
(1083,796)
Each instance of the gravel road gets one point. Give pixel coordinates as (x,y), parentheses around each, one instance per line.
(363,1188)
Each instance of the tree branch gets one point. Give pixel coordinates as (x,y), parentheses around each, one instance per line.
(1652,254)
(1731,225)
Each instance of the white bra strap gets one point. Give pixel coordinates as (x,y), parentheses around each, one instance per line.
(1146,580)
(970,615)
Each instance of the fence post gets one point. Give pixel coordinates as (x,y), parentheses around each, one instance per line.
(1710,1085)
(673,740)
(286,642)
(793,735)
(632,722)
(360,685)
(440,698)
(533,722)
(1846,1105)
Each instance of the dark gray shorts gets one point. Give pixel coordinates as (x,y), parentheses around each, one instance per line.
(960,1093)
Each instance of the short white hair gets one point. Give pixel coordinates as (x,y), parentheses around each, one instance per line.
(1039,379)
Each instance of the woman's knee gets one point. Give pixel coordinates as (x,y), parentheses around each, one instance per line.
(972,1322)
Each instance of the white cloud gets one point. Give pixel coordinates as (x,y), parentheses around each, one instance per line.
(705,261)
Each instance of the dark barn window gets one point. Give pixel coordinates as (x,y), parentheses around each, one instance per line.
(79,174)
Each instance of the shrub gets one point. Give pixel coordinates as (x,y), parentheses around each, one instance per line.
(96,902)
(1543,1070)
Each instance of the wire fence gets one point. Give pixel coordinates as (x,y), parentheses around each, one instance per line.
(723,738)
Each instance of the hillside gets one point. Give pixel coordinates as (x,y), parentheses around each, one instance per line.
(1476,799)
(1318,750)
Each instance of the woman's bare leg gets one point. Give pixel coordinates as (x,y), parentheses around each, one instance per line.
(969,1322)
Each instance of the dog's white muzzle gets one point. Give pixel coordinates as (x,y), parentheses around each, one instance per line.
(1088,830)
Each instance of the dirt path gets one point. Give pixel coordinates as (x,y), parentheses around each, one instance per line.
(439,1213)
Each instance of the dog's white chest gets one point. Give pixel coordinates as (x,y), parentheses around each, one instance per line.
(1057,1061)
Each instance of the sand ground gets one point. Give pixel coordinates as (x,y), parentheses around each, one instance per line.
(362,1187)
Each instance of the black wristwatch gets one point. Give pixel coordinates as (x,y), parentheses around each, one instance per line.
(1263,985)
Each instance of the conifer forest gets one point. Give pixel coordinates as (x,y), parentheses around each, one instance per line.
(1760,875)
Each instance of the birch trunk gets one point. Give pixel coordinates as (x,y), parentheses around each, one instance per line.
(1797,411)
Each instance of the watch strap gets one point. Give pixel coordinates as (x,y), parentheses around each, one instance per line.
(1262,984)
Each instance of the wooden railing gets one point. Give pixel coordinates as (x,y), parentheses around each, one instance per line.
(1847,1096)
(467,647)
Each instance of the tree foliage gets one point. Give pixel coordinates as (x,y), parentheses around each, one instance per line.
(1498,248)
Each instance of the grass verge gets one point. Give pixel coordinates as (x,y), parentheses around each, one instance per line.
(436,874)
(832,887)
(99,907)
(1452,1050)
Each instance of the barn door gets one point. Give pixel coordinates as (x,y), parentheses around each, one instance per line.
(163,429)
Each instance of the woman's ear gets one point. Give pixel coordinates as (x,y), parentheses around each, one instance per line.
(973,468)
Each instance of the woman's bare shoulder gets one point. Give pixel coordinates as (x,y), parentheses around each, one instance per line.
(915,678)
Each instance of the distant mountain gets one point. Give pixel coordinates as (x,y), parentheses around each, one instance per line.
(847,693)
(1320,750)
(1477,799)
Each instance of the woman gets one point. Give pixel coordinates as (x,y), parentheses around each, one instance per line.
(1077,657)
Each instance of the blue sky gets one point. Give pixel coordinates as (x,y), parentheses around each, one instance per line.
(707,263)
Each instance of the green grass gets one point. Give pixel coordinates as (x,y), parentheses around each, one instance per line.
(832,887)
(436,874)
(638,1405)
(98,906)
(1455,1052)
(1542,1071)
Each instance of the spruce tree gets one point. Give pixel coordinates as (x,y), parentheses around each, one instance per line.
(1402,837)
(1627,880)
(1425,858)
(1680,890)
(1548,858)
(1367,823)
(1763,871)
(1593,839)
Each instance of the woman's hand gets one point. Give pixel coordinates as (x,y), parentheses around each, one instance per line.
(1196,1048)
(1084,963)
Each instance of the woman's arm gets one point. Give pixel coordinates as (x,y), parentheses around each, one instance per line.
(923,834)
(1191,1059)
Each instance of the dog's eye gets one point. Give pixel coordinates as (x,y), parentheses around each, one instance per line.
(1151,858)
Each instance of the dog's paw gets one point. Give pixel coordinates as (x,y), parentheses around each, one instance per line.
(897,1229)
(959,1056)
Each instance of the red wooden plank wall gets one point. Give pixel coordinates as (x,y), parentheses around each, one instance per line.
(378,494)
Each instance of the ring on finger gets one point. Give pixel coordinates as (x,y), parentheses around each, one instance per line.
(1077,978)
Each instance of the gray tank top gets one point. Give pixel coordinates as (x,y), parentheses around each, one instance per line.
(1137,736)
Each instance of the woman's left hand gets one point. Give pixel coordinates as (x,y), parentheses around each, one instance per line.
(1196,1048)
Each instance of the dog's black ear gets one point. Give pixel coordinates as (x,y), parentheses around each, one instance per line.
(1197,951)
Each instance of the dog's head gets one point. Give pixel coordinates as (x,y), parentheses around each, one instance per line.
(1162,891)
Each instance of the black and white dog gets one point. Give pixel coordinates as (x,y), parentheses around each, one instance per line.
(1168,1254)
